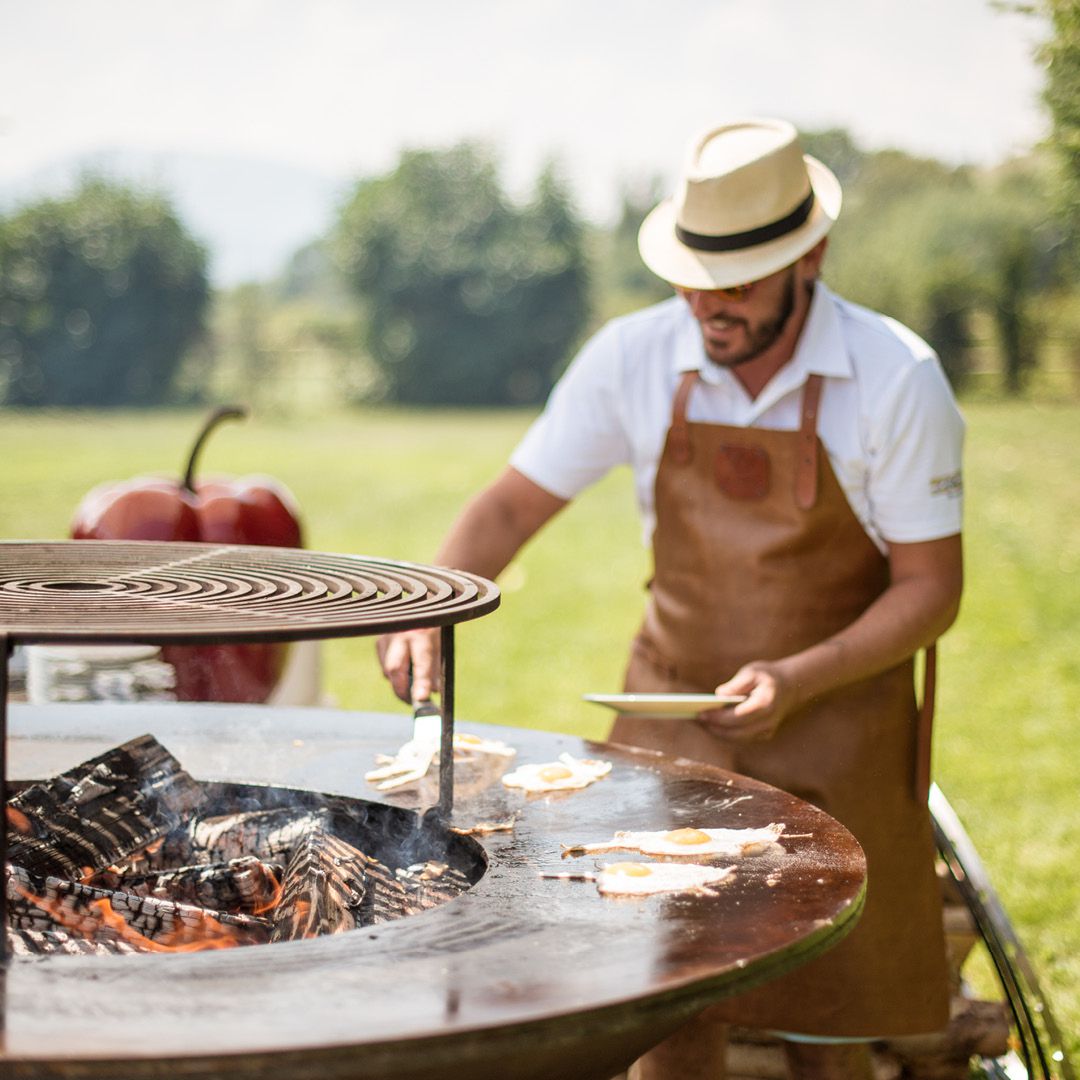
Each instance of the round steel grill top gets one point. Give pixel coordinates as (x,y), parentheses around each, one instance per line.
(176,593)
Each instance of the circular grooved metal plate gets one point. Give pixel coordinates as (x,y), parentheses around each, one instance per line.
(177,593)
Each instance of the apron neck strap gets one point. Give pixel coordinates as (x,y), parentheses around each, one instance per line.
(925,728)
(679,433)
(806,471)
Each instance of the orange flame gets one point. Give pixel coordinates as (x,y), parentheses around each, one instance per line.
(272,897)
(18,821)
(211,934)
(56,911)
(184,939)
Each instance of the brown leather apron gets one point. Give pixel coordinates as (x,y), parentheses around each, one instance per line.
(758,555)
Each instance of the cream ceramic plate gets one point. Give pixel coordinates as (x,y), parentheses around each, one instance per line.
(664,706)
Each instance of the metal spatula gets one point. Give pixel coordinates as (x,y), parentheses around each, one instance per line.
(413,760)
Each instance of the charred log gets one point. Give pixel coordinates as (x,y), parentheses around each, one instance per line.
(429,884)
(240,885)
(42,942)
(70,906)
(331,886)
(127,853)
(99,812)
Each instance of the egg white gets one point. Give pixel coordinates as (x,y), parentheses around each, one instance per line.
(466,744)
(582,772)
(725,842)
(643,879)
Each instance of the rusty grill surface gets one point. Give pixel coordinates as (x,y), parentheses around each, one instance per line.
(518,976)
(175,593)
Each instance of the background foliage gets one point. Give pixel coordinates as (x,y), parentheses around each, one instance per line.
(468,299)
(101,295)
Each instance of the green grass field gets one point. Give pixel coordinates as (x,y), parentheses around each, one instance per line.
(388,483)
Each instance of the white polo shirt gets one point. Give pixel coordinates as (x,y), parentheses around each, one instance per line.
(888,418)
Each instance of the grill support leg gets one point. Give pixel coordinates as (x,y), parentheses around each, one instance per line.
(446,742)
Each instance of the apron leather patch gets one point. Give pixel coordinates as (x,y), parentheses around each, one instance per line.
(743,472)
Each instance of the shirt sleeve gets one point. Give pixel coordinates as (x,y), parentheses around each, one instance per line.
(581,434)
(916,479)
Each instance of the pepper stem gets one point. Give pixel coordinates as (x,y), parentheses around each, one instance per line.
(224,412)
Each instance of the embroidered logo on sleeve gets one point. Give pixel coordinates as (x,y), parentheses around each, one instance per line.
(951,486)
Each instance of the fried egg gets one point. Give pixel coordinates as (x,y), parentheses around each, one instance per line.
(562,775)
(466,744)
(686,842)
(641,879)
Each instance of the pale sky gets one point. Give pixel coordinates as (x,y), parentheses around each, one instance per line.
(608,86)
(247,92)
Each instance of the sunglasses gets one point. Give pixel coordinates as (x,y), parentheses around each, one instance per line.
(737,293)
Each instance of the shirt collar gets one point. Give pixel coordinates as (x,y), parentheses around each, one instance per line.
(821,350)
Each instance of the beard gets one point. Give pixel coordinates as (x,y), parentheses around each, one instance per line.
(760,334)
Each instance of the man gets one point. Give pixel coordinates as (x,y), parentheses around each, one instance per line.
(797,464)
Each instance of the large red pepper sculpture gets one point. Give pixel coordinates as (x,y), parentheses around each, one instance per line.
(222,510)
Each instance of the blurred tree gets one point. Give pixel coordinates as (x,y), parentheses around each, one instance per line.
(838,150)
(897,249)
(1061,56)
(468,299)
(101,293)
(624,282)
(939,247)
(313,275)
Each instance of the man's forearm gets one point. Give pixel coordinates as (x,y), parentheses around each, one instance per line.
(495,524)
(919,605)
(905,618)
(484,538)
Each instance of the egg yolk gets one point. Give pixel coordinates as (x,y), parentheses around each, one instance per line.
(687,836)
(554,772)
(473,739)
(629,869)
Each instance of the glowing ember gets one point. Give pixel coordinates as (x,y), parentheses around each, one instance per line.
(126,853)
(18,821)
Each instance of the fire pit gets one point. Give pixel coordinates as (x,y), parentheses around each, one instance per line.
(128,853)
(517,976)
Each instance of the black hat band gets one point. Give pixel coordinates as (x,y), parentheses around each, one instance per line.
(752,237)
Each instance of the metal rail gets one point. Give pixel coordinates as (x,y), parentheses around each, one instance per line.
(1040,1043)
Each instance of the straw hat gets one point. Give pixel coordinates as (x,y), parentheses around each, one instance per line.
(749,203)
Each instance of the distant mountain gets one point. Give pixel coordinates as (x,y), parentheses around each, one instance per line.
(251,214)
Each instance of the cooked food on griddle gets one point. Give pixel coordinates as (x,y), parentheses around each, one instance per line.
(640,879)
(686,842)
(562,775)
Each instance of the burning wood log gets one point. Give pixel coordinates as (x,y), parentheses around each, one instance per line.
(272,833)
(99,812)
(103,915)
(430,883)
(246,884)
(127,853)
(331,886)
(41,942)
